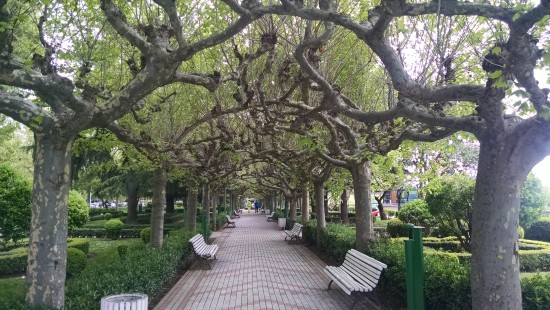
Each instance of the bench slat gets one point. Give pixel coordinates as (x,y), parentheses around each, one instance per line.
(358,272)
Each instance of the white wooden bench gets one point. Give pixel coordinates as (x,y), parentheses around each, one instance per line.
(236,214)
(270,217)
(294,233)
(230,223)
(359,273)
(203,250)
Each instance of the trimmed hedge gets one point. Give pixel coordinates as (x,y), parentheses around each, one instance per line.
(15,261)
(100,232)
(539,231)
(113,228)
(447,282)
(76,261)
(535,292)
(144,270)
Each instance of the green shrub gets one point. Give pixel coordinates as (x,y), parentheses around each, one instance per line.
(145,234)
(108,216)
(76,261)
(79,243)
(15,204)
(13,264)
(538,231)
(416,212)
(309,232)
(391,252)
(396,228)
(79,212)
(144,270)
(521,232)
(113,228)
(447,283)
(122,251)
(336,240)
(535,292)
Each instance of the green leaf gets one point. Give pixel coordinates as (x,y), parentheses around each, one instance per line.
(496,74)
(496,50)
(516,16)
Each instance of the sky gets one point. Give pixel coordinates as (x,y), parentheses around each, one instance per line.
(542,171)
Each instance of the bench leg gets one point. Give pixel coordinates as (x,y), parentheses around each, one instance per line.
(328,288)
(209,267)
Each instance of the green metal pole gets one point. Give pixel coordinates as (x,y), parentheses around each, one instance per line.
(414,256)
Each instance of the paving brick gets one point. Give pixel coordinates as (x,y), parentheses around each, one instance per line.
(256,269)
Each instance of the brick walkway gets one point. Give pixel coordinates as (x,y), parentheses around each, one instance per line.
(256,269)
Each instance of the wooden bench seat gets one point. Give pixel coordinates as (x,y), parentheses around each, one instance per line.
(358,273)
(294,233)
(270,217)
(230,223)
(203,250)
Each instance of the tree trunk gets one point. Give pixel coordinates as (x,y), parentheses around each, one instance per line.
(171,195)
(133,200)
(293,207)
(495,259)
(206,203)
(192,201)
(364,231)
(344,207)
(319,188)
(325,201)
(47,252)
(157,213)
(214,207)
(305,205)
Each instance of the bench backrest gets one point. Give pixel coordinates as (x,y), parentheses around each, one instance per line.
(228,218)
(364,269)
(296,228)
(198,242)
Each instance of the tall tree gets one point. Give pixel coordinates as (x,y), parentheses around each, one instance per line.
(68,106)
(509,146)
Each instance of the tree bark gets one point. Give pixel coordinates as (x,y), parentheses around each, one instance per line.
(133,200)
(319,189)
(325,201)
(206,202)
(495,258)
(214,208)
(360,174)
(305,204)
(47,252)
(344,207)
(192,201)
(293,207)
(171,195)
(157,213)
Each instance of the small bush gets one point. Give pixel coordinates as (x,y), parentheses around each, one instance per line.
(521,232)
(396,228)
(539,231)
(79,243)
(144,270)
(145,234)
(309,232)
(416,212)
(447,283)
(535,292)
(79,212)
(76,261)
(122,251)
(113,228)
(108,216)
(336,240)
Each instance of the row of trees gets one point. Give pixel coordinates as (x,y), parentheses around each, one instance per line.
(288,84)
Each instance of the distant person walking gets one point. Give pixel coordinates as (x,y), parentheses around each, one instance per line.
(257,205)
(249,205)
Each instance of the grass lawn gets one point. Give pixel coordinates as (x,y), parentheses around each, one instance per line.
(12,290)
